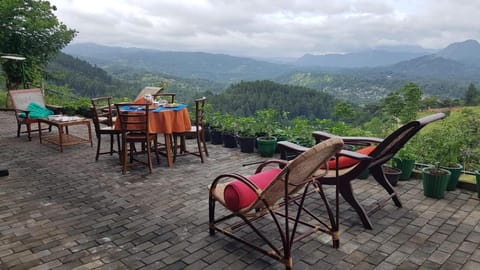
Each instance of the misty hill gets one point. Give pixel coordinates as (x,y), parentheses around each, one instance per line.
(467,52)
(216,67)
(85,79)
(436,67)
(371,58)
(435,74)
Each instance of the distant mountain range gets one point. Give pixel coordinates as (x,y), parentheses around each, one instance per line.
(456,65)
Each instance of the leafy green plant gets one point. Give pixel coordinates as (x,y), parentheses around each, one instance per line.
(267,120)
(442,144)
(246,126)
(408,151)
(300,132)
(227,123)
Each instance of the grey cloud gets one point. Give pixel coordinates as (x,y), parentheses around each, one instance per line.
(272,27)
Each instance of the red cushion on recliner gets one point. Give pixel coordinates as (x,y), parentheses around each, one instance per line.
(238,195)
(345,162)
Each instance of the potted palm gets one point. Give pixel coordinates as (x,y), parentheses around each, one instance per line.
(267,122)
(246,128)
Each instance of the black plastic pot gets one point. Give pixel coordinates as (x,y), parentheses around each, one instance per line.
(392,174)
(247,144)
(229,140)
(216,137)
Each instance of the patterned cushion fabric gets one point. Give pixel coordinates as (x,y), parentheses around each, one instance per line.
(238,195)
(345,162)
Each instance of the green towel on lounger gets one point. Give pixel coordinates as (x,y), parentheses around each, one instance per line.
(36,111)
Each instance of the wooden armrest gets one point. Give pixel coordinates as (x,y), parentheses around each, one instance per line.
(19,111)
(281,163)
(291,147)
(289,150)
(362,141)
(354,155)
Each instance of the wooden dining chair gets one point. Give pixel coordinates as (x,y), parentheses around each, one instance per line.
(134,128)
(197,130)
(103,121)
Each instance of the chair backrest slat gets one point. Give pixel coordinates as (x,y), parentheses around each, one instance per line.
(136,121)
(102,108)
(200,113)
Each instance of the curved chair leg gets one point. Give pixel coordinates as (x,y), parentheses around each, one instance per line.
(377,173)
(345,189)
(211,215)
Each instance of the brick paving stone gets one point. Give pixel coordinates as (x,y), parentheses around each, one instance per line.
(459,257)
(439,257)
(89,215)
(471,265)
(448,265)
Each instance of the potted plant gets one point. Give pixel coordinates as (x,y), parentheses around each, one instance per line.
(246,128)
(449,150)
(405,160)
(215,127)
(227,127)
(435,181)
(392,174)
(267,121)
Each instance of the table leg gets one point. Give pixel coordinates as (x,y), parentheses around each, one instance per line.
(40,131)
(168,146)
(60,137)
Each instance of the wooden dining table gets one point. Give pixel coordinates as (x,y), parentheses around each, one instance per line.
(166,120)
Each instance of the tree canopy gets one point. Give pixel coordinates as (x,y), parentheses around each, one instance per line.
(30,29)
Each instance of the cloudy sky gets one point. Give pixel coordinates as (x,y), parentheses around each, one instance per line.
(271,28)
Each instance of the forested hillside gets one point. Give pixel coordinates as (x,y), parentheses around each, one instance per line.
(86,80)
(245,98)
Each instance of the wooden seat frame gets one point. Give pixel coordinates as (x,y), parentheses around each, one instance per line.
(286,192)
(197,130)
(20,100)
(103,121)
(134,128)
(384,151)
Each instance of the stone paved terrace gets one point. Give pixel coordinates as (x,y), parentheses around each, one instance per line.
(66,211)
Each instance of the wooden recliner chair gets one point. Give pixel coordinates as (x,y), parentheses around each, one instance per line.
(374,154)
(23,101)
(269,191)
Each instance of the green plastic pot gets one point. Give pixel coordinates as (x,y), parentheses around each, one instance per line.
(405,165)
(266,146)
(435,182)
(364,174)
(477,176)
(455,174)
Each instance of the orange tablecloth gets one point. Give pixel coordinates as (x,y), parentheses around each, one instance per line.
(166,121)
(169,121)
